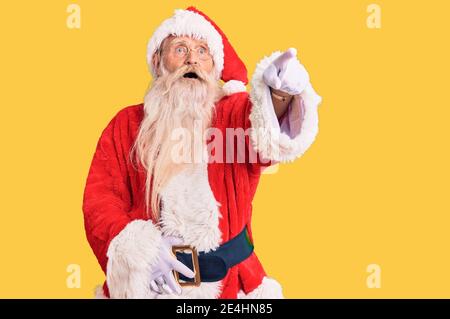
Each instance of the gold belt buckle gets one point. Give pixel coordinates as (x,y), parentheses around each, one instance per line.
(194,254)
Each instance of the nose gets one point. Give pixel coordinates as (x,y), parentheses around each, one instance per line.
(191,59)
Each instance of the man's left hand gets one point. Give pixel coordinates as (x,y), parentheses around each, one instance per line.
(287,74)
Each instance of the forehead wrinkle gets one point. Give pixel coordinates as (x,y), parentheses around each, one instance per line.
(178,40)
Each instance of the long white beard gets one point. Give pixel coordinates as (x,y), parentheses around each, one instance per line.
(172,105)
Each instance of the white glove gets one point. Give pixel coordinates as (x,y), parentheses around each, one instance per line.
(287,74)
(162,279)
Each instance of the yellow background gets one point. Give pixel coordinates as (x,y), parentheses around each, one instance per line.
(373,188)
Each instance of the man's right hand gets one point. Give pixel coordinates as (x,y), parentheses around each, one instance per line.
(162,278)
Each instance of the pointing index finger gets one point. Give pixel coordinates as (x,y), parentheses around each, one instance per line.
(284,58)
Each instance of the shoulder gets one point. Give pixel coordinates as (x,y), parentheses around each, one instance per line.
(233,99)
(131,114)
(234,103)
(127,118)
(125,123)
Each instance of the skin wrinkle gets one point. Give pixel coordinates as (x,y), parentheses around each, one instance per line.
(172,63)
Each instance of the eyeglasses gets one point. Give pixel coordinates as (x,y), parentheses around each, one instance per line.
(181,51)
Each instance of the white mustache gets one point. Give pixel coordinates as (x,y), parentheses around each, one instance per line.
(169,79)
(193,69)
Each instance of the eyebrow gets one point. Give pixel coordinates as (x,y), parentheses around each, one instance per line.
(184,42)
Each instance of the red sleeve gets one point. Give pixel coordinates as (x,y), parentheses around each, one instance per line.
(106,198)
(237,116)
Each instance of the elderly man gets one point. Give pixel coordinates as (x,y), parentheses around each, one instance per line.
(162,227)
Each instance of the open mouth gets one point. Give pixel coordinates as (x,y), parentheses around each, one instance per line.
(191,75)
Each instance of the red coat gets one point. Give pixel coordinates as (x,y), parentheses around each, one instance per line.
(114,193)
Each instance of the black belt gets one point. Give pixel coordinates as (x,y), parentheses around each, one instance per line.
(214,265)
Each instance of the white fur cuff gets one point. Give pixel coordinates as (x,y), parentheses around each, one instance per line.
(131,256)
(266,135)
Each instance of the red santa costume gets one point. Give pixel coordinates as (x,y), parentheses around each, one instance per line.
(206,206)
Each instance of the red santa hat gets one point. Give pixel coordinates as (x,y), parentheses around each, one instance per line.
(194,23)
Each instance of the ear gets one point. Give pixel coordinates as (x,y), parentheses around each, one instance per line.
(155,63)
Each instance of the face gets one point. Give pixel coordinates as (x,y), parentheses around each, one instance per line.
(181,51)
